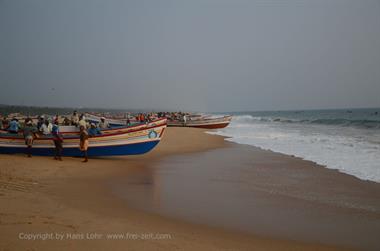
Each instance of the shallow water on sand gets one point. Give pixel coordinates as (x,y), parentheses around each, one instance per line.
(246,189)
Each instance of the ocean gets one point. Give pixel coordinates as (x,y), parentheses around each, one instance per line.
(346,140)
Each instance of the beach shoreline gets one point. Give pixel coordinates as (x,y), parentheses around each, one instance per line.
(40,195)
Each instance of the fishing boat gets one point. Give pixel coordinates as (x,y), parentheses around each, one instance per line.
(203,122)
(131,142)
(67,130)
(111,121)
(116,129)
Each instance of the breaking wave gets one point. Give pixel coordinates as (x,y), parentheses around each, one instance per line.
(351,146)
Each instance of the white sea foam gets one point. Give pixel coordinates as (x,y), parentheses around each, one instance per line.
(354,151)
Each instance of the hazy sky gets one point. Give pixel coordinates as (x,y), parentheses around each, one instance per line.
(205,55)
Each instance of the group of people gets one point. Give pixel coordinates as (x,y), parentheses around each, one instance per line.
(11,126)
(144,117)
(50,126)
(43,127)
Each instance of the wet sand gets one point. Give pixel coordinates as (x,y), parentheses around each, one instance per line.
(187,196)
(254,191)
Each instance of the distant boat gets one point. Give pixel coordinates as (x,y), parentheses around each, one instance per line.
(131,142)
(203,122)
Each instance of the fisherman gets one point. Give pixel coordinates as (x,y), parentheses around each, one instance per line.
(29,134)
(66,121)
(82,121)
(103,123)
(93,130)
(14,126)
(74,119)
(56,120)
(83,145)
(40,122)
(3,123)
(58,141)
(46,128)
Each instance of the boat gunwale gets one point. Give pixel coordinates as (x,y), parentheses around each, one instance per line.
(129,128)
(19,137)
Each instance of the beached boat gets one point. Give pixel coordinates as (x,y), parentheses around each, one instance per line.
(202,122)
(67,130)
(115,129)
(111,121)
(137,141)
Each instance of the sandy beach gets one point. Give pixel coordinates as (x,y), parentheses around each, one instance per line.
(190,125)
(185,195)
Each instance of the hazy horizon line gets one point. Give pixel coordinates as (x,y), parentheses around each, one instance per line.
(158,110)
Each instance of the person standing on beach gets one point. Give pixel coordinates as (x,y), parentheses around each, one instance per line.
(58,142)
(83,144)
(29,134)
(184,119)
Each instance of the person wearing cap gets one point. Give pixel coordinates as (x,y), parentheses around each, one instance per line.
(103,123)
(83,143)
(29,134)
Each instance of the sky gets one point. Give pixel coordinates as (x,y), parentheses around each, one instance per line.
(195,55)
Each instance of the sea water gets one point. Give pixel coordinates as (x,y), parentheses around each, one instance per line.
(346,140)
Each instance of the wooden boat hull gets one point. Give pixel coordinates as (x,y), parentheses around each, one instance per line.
(93,151)
(212,126)
(124,143)
(115,129)
(112,122)
(215,123)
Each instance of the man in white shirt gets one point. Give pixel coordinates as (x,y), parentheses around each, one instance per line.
(46,128)
(103,123)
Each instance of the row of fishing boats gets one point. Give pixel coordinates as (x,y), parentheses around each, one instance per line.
(190,120)
(119,139)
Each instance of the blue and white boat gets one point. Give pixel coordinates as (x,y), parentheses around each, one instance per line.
(120,141)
